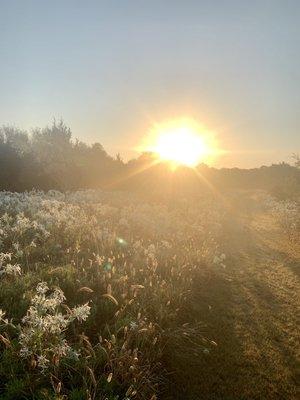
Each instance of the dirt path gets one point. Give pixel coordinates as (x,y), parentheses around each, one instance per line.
(251,310)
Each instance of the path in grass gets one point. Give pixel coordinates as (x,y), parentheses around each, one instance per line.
(250,310)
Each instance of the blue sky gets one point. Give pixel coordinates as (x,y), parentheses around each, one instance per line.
(112,68)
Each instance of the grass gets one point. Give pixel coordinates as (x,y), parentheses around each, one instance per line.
(251,310)
(166,321)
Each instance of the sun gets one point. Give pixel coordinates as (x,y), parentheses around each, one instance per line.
(180,145)
(179,142)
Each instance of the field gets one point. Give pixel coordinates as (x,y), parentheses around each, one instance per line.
(106,296)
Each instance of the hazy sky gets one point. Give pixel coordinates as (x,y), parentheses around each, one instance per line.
(112,68)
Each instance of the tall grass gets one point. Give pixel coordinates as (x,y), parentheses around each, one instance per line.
(94,286)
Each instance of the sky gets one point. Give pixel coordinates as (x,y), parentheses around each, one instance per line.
(111,69)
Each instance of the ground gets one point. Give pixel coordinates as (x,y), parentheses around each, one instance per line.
(250,309)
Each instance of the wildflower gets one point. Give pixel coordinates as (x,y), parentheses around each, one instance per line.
(2,314)
(11,269)
(133,325)
(81,313)
(42,330)
(63,349)
(42,362)
(25,352)
(42,288)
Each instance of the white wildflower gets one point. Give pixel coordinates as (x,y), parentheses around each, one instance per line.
(81,313)
(25,352)
(42,288)
(43,327)
(11,269)
(2,314)
(42,362)
(133,325)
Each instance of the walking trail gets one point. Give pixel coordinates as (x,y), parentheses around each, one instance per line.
(251,310)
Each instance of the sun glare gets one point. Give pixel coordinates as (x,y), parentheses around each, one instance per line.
(179,142)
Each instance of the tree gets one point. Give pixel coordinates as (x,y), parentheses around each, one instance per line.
(296,158)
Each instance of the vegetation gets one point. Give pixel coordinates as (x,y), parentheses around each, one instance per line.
(118,279)
(166,285)
(105,296)
(49,159)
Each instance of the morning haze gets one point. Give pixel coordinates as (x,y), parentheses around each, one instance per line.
(112,69)
(149,200)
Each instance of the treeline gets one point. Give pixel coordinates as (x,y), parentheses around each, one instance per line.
(49,158)
(281,180)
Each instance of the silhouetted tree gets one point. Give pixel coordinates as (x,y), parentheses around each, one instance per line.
(296,158)
(10,166)
(49,158)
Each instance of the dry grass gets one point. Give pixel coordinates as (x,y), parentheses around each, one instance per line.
(251,310)
(166,320)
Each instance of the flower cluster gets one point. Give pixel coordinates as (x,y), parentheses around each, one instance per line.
(6,267)
(134,262)
(42,331)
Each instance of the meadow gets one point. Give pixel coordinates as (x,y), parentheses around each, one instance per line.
(149,241)
(106,296)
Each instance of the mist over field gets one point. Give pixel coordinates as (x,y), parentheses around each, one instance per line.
(149,200)
(50,158)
